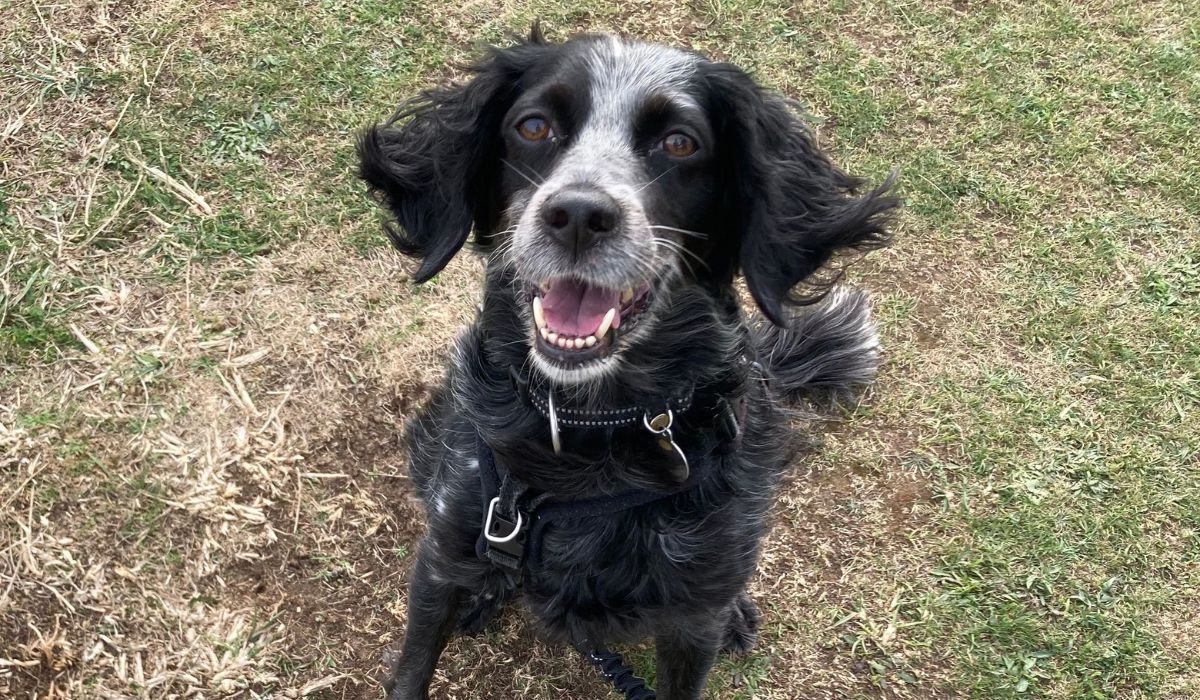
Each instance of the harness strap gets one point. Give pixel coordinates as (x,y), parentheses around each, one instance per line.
(515,517)
(505,527)
(513,528)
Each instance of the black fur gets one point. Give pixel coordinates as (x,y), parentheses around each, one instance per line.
(432,169)
(822,356)
(763,199)
(795,209)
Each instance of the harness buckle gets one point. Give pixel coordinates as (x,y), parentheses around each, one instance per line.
(505,539)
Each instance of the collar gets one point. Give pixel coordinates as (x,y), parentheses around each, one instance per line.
(549,404)
(658,421)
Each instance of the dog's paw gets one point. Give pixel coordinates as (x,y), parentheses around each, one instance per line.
(395,685)
(742,629)
(474,623)
(483,609)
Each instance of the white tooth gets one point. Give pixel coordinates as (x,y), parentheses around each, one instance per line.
(563,342)
(539,316)
(545,333)
(589,341)
(579,343)
(604,325)
(627,295)
(552,337)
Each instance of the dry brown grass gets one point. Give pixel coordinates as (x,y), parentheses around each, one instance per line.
(190,510)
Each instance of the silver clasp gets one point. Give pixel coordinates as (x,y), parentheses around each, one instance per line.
(660,425)
(487,525)
(555,439)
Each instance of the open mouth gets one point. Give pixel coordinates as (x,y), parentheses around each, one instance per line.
(576,322)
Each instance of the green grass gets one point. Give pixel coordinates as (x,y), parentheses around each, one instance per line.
(31,326)
(1040,310)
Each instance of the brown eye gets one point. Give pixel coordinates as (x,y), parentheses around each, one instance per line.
(679,145)
(534,129)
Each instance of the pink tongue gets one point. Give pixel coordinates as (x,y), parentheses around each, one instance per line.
(576,309)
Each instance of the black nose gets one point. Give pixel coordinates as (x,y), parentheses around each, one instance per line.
(577,218)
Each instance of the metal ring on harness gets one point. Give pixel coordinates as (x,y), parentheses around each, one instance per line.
(555,439)
(656,425)
(487,525)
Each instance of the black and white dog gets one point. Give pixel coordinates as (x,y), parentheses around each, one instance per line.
(609,436)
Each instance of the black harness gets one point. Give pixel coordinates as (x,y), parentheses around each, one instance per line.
(516,516)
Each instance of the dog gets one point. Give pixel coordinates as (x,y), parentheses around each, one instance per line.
(609,436)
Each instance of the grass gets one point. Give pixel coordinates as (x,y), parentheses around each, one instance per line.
(206,351)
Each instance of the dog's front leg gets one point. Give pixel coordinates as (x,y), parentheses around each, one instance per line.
(685,651)
(433,607)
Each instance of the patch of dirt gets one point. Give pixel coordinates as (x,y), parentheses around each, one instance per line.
(40,657)
(337,589)
(837,563)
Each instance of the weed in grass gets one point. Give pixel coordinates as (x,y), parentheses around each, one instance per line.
(1175,283)
(241,138)
(31,324)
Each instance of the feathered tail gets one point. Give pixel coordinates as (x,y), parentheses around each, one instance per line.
(829,352)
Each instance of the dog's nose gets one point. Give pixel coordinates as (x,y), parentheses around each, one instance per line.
(577,218)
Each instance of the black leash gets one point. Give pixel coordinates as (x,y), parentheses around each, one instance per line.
(614,668)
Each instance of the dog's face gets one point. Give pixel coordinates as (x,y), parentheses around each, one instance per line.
(603,172)
(609,168)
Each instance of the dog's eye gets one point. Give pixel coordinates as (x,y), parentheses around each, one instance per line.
(679,145)
(534,129)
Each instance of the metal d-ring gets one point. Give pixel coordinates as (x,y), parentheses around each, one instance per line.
(650,423)
(555,439)
(487,525)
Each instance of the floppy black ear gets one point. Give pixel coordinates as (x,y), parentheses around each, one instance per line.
(435,163)
(794,208)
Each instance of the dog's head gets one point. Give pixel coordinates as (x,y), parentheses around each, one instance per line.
(604,172)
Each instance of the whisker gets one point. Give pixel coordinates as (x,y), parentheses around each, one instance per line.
(515,343)
(665,173)
(520,172)
(649,269)
(505,245)
(684,231)
(687,264)
(676,247)
(503,248)
(660,274)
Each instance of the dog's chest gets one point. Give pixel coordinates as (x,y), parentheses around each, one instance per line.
(616,573)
